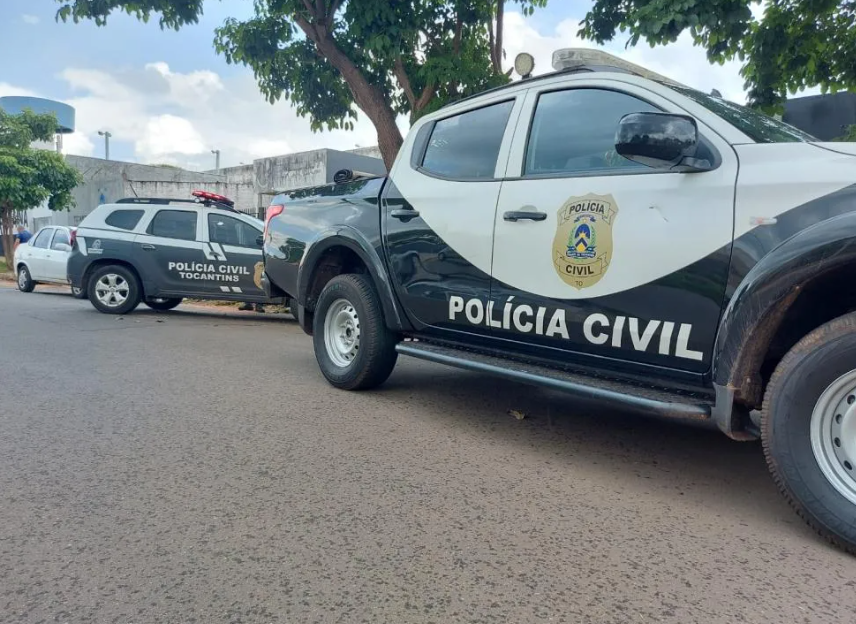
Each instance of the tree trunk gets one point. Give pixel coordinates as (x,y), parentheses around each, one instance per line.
(6,227)
(367,97)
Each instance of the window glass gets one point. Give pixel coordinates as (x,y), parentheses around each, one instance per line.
(60,238)
(43,238)
(230,231)
(573,131)
(124,219)
(467,145)
(179,224)
(757,126)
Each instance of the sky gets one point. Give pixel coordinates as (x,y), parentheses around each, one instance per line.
(167,97)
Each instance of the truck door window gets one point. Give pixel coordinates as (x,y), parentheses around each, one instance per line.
(573,131)
(229,231)
(179,224)
(466,146)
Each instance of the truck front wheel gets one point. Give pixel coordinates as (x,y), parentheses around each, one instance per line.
(353,346)
(809,429)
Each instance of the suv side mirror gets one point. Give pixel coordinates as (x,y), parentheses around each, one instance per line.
(260,241)
(660,140)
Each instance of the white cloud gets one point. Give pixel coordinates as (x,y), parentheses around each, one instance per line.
(178,118)
(78,143)
(680,61)
(32,20)
(11,90)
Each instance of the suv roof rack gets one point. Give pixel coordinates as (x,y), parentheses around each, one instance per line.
(210,200)
(579,60)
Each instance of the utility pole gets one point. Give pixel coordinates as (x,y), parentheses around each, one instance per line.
(106,136)
(216,159)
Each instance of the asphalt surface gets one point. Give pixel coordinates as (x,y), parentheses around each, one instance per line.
(195,467)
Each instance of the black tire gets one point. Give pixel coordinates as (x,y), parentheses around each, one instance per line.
(799,381)
(78,293)
(132,298)
(162,304)
(375,356)
(25,280)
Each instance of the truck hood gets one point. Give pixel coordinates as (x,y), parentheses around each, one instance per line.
(839,148)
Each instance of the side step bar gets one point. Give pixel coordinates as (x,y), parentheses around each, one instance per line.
(619,394)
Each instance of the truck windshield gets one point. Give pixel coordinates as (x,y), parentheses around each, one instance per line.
(757,126)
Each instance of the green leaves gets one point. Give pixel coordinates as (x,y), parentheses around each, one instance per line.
(329,57)
(795,44)
(172,13)
(30,176)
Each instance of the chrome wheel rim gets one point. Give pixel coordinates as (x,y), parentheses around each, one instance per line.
(833,434)
(112,290)
(342,333)
(22,279)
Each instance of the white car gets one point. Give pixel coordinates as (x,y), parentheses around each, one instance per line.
(44,259)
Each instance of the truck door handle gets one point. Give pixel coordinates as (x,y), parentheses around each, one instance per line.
(520,215)
(404,214)
(147,247)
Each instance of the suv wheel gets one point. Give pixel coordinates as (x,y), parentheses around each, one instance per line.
(162,304)
(809,429)
(25,281)
(114,289)
(353,346)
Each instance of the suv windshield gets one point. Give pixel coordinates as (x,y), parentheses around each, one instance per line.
(757,126)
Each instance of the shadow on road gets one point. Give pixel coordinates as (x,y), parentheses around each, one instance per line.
(680,458)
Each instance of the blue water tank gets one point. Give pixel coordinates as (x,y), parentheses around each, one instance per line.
(15,104)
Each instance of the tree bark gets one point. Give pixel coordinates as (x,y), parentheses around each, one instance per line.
(367,97)
(6,226)
(500,15)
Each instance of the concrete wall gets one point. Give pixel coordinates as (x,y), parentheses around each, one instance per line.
(249,186)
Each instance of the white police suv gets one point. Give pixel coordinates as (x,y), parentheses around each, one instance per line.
(158,251)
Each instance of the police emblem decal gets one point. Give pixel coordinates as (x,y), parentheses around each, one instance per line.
(257,274)
(582,247)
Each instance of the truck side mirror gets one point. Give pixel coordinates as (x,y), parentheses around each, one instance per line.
(660,141)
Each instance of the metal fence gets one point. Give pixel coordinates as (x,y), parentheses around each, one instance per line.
(258,213)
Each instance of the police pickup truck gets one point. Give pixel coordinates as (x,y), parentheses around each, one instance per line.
(158,251)
(616,236)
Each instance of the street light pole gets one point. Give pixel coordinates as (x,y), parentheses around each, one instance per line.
(216,159)
(106,136)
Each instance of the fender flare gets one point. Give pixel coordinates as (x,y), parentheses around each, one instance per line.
(761,300)
(343,236)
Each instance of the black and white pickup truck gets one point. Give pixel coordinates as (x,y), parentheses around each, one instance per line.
(622,238)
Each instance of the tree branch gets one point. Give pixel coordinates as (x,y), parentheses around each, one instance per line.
(456,42)
(426,97)
(309,8)
(500,14)
(491,40)
(331,12)
(319,10)
(404,81)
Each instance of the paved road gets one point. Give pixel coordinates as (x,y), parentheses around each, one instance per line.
(194,467)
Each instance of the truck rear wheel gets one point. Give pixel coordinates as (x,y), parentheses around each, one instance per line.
(808,429)
(353,346)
